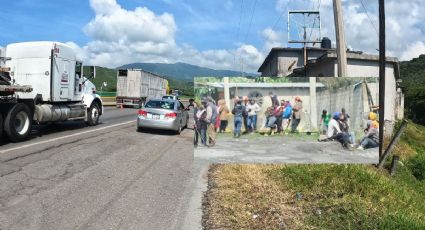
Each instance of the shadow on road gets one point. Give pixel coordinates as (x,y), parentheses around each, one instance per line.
(43,130)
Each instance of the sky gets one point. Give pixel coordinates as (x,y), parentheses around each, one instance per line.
(219,34)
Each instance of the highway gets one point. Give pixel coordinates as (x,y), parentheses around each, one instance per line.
(70,176)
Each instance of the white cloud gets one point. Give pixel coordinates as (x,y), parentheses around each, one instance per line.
(413,51)
(272,39)
(121,36)
(404,25)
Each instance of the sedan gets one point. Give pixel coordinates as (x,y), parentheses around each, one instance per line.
(163,114)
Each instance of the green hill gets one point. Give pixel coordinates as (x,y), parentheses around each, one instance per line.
(179,75)
(183,71)
(413,82)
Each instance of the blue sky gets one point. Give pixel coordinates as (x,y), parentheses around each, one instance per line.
(209,33)
(203,24)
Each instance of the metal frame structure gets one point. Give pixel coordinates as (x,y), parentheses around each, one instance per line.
(305,27)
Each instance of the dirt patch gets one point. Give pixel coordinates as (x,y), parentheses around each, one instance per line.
(242,197)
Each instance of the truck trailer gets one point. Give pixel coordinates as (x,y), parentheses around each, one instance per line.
(136,86)
(43,82)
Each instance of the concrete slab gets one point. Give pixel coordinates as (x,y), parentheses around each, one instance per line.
(297,148)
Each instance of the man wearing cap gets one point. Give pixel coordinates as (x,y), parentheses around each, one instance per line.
(211,119)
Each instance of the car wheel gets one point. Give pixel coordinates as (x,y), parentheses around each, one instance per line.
(179,129)
(93,115)
(139,129)
(18,122)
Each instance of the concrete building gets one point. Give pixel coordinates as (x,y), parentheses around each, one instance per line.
(282,62)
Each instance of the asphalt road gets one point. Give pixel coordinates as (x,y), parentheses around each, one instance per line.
(69,176)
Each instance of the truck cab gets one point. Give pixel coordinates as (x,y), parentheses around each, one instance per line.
(60,91)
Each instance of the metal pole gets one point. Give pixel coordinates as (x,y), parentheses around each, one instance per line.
(340,39)
(392,144)
(381,75)
(226,92)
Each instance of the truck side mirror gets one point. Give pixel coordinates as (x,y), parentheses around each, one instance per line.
(92,71)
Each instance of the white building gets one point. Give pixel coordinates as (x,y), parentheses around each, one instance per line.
(321,62)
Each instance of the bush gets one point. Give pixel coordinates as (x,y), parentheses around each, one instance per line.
(417,166)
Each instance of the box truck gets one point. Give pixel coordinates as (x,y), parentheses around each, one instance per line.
(136,86)
(43,82)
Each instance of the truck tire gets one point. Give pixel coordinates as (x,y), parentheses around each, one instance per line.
(93,114)
(18,122)
(1,125)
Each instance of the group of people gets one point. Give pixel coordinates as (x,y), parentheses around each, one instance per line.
(282,114)
(245,113)
(336,127)
(209,118)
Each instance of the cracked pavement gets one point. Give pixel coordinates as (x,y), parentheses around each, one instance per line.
(112,179)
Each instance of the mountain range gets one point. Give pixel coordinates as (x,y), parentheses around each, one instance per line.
(183,71)
(180,75)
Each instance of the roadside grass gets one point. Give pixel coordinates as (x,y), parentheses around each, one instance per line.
(326,196)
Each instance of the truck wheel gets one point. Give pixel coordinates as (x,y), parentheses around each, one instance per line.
(1,125)
(18,122)
(93,115)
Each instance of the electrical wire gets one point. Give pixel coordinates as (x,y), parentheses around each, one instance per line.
(250,21)
(368,16)
(280,16)
(239,28)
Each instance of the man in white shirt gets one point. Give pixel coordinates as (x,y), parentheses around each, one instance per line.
(252,108)
(333,126)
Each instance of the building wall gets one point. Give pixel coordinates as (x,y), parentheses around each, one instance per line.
(358,68)
(282,60)
(351,98)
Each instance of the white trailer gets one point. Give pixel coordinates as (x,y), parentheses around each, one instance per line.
(135,87)
(59,92)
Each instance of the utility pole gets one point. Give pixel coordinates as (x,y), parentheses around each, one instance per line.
(340,39)
(226,92)
(381,75)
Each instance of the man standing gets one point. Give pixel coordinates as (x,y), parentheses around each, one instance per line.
(223,113)
(298,106)
(211,119)
(245,115)
(238,111)
(252,108)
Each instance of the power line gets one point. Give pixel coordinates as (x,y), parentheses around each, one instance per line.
(239,28)
(247,32)
(240,20)
(250,21)
(314,22)
(280,16)
(368,16)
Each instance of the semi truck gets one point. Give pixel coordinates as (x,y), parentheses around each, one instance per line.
(43,82)
(136,86)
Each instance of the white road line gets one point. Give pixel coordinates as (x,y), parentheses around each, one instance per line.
(59,138)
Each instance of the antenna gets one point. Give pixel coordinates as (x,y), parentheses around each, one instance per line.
(301,23)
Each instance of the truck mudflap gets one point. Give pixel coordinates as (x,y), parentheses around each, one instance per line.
(130,102)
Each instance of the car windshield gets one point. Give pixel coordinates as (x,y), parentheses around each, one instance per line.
(160,105)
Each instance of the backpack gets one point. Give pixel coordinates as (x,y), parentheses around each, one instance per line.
(287,113)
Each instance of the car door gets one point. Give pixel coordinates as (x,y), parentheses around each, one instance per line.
(182,113)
